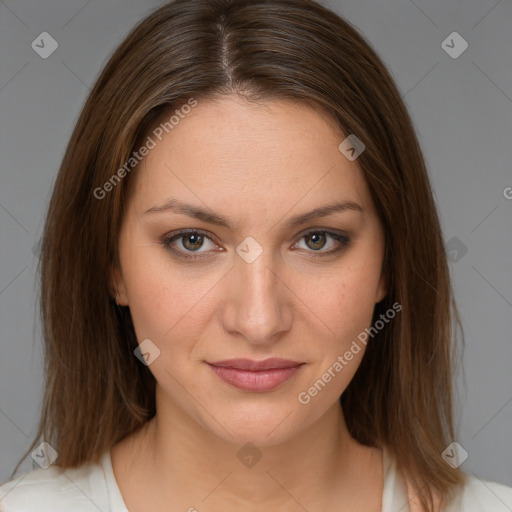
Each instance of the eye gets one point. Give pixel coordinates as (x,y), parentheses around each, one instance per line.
(315,240)
(189,241)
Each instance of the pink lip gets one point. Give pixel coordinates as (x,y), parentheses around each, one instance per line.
(252,375)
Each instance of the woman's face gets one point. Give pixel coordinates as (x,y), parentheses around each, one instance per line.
(258,275)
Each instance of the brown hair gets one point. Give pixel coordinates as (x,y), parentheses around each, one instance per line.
(401,396)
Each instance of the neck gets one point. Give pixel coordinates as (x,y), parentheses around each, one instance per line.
(177,450)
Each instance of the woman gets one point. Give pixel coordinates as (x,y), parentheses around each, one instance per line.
(245,293)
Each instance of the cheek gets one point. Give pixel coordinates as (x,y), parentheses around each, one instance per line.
(167,305)
(153,298)
(346,309)
(346,301)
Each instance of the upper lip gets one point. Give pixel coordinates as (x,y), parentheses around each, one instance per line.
(251,365)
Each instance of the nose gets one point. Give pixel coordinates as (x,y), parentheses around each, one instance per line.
(258,305)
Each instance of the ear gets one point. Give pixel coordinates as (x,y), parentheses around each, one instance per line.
(118,286)
(382,288)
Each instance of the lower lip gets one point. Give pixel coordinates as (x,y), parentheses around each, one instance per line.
(263,380)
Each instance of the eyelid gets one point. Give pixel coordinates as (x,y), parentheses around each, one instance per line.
(329,231)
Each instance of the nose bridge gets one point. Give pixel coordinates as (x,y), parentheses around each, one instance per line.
(257,302)
(257,293)
(257,280)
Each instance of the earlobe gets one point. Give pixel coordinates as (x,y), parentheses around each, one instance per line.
(382,288)
(118,288)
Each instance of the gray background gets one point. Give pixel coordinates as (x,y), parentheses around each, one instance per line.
(462,110)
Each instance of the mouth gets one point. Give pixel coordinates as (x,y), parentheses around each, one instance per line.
(258,376)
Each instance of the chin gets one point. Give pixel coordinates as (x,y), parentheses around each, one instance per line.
(259,437)
(261,424)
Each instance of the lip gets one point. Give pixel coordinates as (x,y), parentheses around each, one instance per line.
(251,365)
(250,375)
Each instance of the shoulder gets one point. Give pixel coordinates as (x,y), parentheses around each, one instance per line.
(478,495)
(475,495)
(81,489)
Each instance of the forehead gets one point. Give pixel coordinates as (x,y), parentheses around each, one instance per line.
(233,154)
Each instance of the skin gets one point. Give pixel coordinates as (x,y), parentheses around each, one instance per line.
(257,165)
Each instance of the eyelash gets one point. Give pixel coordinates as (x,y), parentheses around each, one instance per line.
(343,240)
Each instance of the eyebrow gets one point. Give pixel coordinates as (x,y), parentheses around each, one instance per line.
(207,215)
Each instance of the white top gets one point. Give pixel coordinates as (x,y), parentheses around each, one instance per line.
(93,488)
